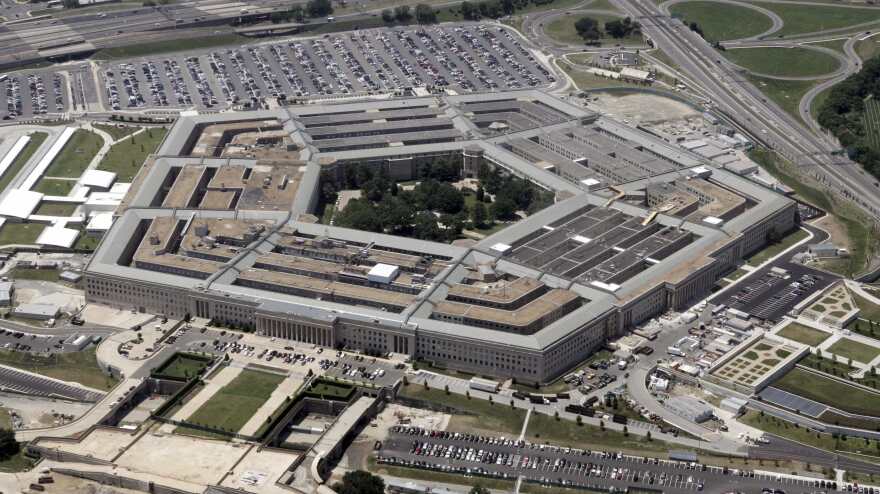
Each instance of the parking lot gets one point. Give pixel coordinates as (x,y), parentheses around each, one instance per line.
(468,57)
(496,457)
(364,370)
(769,295)
(35,93)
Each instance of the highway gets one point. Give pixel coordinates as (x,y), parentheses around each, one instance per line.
(738,99)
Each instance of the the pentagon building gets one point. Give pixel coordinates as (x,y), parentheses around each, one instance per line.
(218,225)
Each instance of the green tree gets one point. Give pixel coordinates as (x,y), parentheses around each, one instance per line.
(319,8)
(478,215)
(8,445)
(588,28)
(402,13)
(360,482)
(478,489)
(388,15)
(503,209)
(425,14)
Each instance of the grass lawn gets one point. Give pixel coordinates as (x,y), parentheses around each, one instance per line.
(586,80)
(855,350)
(823,441)
(544,428)
(37,139)
(34,274)
(16,463)
(783,61)
(786,94)
(868,48)
(87,242)
(54,186)
(774,249)
(171,45)
(869,310)
(429,476)
(55,208)
(477,415)
(808,19)
(117,131)
(721,22)
(182,366)
(20,233)
(126,157)
(859,237)
(739,273)
(76,155)
(562,29)
(81,367)
(804,334)
(233,405)
(829,391)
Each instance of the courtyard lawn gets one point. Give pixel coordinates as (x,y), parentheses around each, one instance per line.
(721,22)
(87,242)
(773,250)
(233,405)
(55,208)
(852,349)
(76,155)
(81,367)
(126,157)
(868,309)
(37,139)
(783,62)
(800,19)
(804,334)
(54,187)
(20,233)
(183,366)
(828,391)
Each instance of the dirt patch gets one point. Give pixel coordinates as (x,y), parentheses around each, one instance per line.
(835,229)
(643,108)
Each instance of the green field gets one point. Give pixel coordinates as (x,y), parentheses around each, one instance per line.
(172,45)
(81,367)
(829,391)
(585,80)
(37,139)
(868,48)
(54,186)
(117,131)
(868,309)
(801,19)
(773,250)
(126,157)
(182,366)
(852,349)
(872,123)
(20,233)
(76,155)
(783,62)
(479,415)
(721,22)
(231,407)
(55,209)
(861,240)
(791,431)
(787,94)
(35,274)
(804,334)
(562,29)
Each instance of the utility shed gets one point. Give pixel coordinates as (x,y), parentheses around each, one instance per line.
(6,291)
(383,273)
(40,312)
(690,408)
(733,404)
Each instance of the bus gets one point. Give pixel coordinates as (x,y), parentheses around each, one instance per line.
(3,77)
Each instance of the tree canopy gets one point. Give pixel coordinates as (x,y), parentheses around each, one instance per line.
(843,113)
(360,482)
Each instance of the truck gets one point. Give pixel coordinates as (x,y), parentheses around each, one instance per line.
(486,385)
(621,364)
